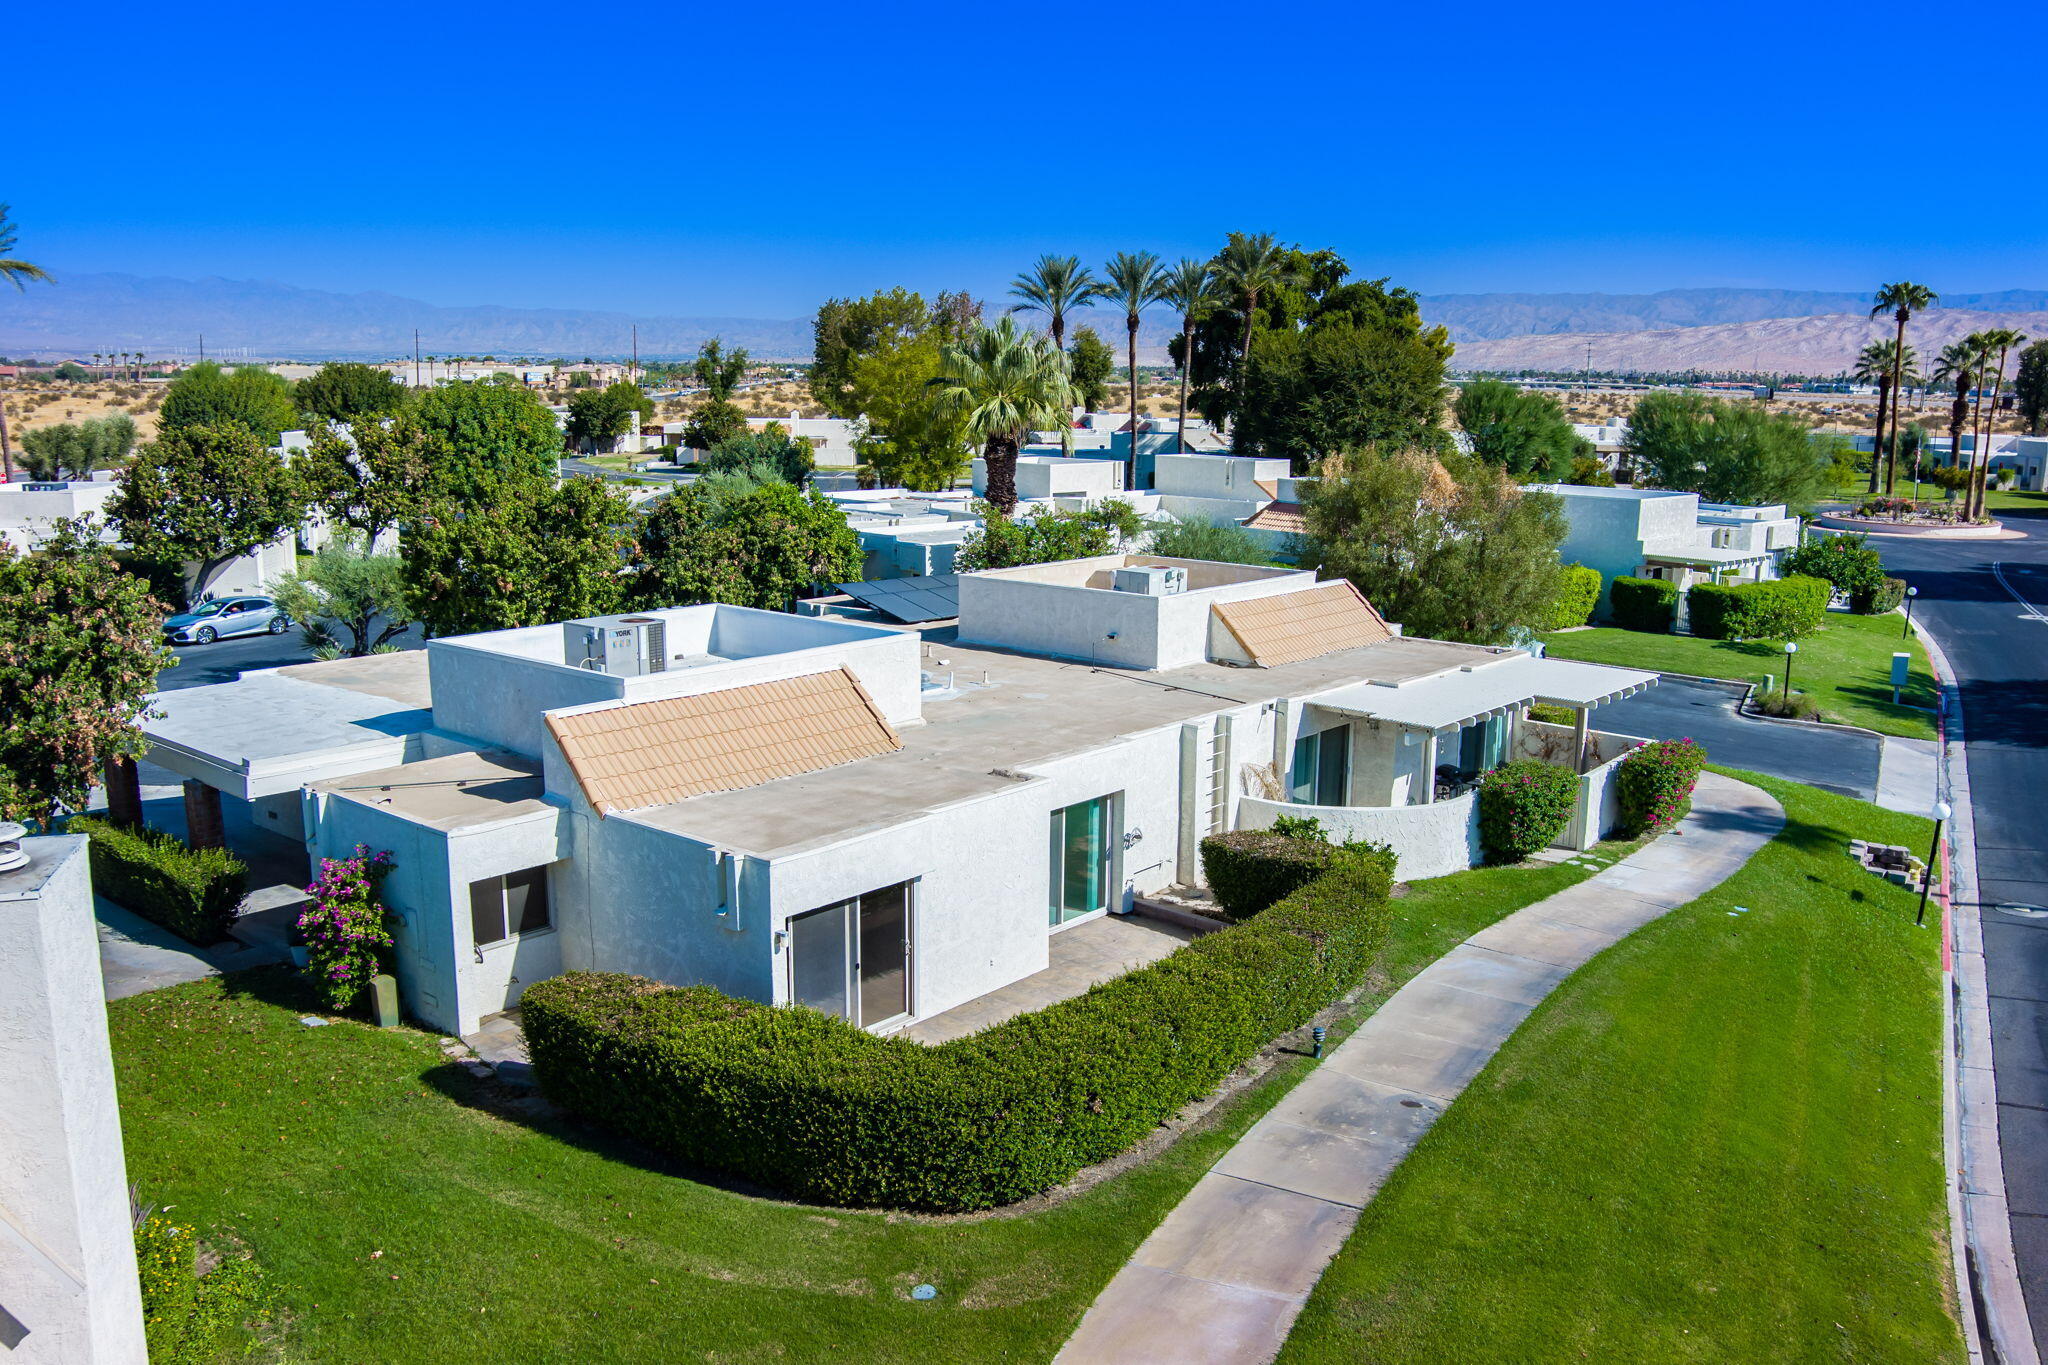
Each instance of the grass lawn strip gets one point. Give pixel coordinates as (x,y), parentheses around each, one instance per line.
(1845,667)
(1718,1141)
(321,1147)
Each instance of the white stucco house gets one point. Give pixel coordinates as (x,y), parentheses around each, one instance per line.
(1656,533)
(29,511)
(878,822)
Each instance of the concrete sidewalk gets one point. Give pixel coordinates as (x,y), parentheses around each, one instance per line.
(1224,1276)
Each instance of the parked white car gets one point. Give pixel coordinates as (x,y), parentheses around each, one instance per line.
(226,616)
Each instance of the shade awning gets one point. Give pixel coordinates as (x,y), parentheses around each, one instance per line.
(1445,701)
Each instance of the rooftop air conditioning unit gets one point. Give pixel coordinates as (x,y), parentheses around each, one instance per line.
(623,646)
(1152,580)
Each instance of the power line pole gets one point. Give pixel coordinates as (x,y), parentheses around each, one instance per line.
(636,353)
(415,357)
(202,348)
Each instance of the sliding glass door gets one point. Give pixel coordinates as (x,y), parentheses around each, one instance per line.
(853,959)
(1322,768)
(1081,851)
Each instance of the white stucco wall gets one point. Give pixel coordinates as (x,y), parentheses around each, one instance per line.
(1428,841)
(1223,477)
(67,1250)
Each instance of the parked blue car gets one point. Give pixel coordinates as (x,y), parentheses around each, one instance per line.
(225,616)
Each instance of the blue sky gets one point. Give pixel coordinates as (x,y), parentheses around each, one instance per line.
(752,160)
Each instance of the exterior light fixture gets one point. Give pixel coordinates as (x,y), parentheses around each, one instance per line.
(1318,1033)
(1941,812)
(1906,628)
(1791,648)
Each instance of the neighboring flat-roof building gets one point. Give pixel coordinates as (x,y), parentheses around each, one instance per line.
(1657,533)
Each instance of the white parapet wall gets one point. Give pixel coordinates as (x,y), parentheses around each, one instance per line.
(1597,810)
(1428,841)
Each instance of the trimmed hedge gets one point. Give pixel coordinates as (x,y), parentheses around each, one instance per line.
(1523,806)
(1648,604)
(1878,599)
(1249,869)
(1578,592)
(193,892)
(1782,609)
(808,1104)
(1654,785)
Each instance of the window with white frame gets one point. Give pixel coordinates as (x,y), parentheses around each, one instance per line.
(502,907)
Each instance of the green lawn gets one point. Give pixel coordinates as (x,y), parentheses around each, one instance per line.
(1718,1141)
(541,1240)
(1845,667)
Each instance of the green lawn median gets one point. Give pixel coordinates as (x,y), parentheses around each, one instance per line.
(1846,667)
(1720,1140)
(392,1205)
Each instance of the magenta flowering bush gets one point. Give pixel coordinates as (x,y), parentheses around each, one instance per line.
(345,926)
(1654,785)
(1523,807)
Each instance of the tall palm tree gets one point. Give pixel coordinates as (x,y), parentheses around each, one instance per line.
(2003,340)
(1190,290)
(1874,365)
(1004,383)
(1957,367)
(1251,265)
(1901,300)
(17,273)
(1056,286)
(1132,280)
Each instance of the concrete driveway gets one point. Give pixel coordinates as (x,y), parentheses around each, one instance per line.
(1835,760)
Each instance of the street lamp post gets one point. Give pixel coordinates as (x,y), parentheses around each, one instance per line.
(1907,628)
(1791,648)
(1941,813)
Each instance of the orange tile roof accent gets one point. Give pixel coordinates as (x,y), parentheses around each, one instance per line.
(650,753)
(1291,626)
(1279,516)
(1271,487)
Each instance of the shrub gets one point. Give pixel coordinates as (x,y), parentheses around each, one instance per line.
(1577,594)
(1249,869)
(193,892)
(809,1104)
(345,925)
(1847,561)
(1654,785)
(1885,595)
(1649,604)
(1550,714)
(1788,706)
(1523,806)
(1783,609)
(187,1317)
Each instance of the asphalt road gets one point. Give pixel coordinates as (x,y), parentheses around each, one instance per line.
(225,660)
(1676,709)
(1977,599)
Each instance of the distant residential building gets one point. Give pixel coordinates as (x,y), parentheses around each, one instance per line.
(29,511)
(1657,533)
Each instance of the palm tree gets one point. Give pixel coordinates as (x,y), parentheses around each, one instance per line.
(1133,280)
(1956,366)
(1875,365)
(17,273)
(1248,267)
(1190,289)
(1004,383)
(2003,339)
(1056,286)
(1901,300)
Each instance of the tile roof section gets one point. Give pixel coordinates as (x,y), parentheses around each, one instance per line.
(1292,626)
(1278,516)
(650,753)
(1270,487)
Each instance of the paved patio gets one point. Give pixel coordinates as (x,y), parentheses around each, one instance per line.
(1082,956)
(1223,1278)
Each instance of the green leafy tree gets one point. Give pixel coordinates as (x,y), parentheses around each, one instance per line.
(912,439)
(1251,265)
(1002,384)
(1336,386)
(1588,472)
(80,650)
(346,391)
(789,456)
(719,370)
(1090,362)
(847,330)
(1189,288)
(78,448)
(760,547)
(480,439)
(71,373)
(206,496)
(1723,451)
(1451,548)
(2030,387)
(18,273)
(1133,281)
(539,554)
(598,417)
(1044,536)
(346,597)
(370,479)
(1901,300)
(1219,539)
(208,396)
(713,424)
(1521,430)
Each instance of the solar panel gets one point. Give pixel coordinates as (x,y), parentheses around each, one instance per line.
(910,601)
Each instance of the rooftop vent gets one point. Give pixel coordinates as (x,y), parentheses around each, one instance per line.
(1151,580)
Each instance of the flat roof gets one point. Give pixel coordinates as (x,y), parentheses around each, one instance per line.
(1029,712)
(274,716)
(1584,490)
(456,791)
(400,677)
(1489,688)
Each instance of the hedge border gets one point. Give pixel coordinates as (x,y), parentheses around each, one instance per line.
(193,892)
(1645,604)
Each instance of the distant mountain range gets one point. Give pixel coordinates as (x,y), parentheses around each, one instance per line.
(1781,329)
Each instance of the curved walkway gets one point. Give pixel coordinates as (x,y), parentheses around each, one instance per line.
(1223,1277)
